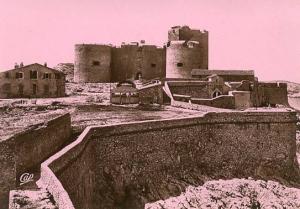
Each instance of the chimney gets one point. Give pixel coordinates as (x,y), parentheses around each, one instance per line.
(21,64)
(45,64)
(16,65)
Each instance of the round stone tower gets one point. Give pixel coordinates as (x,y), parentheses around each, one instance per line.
(92,63)
(182,57)
(187,49)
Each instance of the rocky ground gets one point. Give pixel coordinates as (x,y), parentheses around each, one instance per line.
(67,69)
(234,194)
(16,119)
(293,89)
(35,199)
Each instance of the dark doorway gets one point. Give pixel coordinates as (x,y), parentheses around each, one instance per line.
(34,89)
(21,89)
(46,90)
(216,93)
(138,76)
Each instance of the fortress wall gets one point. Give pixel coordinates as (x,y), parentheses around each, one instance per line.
(272,93)
(69,174)
(239,100)
(129,60)
(25,151)
(200,91)
(139,164)
(40,142)
(232,78)
(7,170)
(127,165)
(223,101)
(202,37)
(154,62)
(193,89)
(229,78)
(124,62)
(92,63)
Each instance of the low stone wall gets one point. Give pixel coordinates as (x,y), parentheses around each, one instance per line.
(238,100)
(197,89)
(64,174)
(227,75)
(151,94)
(22,154)
(186,105)
(128,165)
(266,94)
(223,101)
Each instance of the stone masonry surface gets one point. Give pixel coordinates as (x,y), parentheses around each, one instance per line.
(142,162)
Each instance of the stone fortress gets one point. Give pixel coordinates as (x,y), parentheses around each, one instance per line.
(182,67)
(179,69)
(186,49)
(127,165)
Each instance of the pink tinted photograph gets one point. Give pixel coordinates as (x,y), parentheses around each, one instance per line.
(149,104)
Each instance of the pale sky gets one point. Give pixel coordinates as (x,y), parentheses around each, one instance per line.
(261,35)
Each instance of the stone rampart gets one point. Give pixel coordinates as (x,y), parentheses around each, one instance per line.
(128,165)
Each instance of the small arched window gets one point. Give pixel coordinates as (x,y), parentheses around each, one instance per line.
(216,93)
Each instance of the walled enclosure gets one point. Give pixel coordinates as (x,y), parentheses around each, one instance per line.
(92,63)
(128,165)
(25,151)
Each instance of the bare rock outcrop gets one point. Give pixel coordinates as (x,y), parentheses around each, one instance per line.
(235,194)
(67,69)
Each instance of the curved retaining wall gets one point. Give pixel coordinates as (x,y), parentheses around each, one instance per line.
(127,165)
